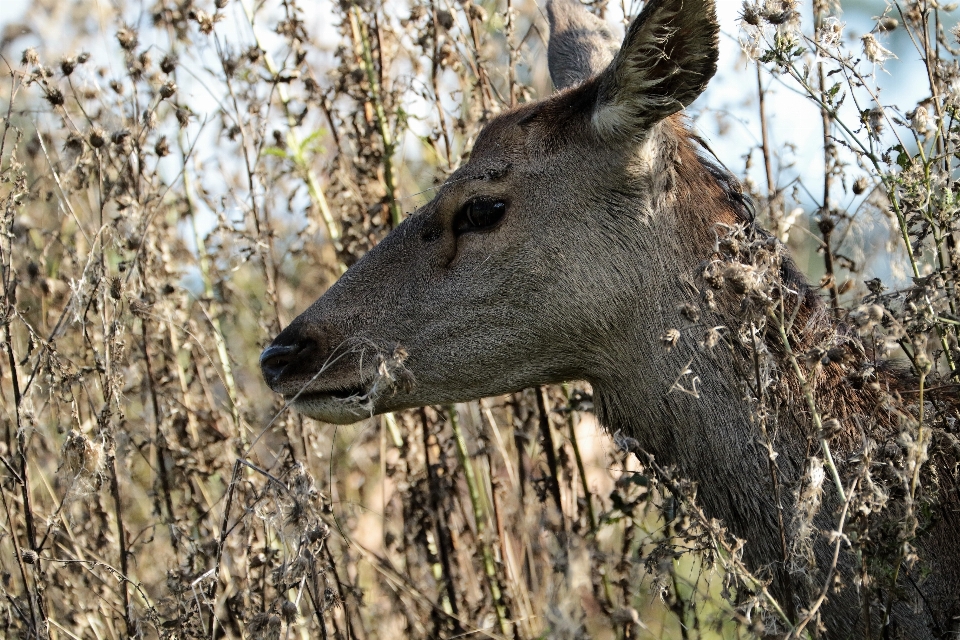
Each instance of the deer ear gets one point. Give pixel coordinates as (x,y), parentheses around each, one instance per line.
(668,56)
(581,44)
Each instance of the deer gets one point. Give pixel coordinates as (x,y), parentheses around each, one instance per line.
(591,236)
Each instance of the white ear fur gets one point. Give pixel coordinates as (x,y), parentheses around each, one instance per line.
(668,56)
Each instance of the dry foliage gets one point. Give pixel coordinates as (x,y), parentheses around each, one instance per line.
(175,195)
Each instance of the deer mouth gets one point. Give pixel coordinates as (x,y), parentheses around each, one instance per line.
(346,388)
(339,406)
(357,392)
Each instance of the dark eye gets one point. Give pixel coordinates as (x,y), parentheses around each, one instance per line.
(478,215)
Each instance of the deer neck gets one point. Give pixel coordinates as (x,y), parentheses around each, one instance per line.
(683,401)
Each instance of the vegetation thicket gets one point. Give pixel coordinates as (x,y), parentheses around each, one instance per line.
(179,179)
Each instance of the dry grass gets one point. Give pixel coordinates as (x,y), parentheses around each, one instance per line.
(172,198)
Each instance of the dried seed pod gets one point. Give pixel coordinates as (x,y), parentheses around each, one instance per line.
(445,19)
(127,38)
(97,138)
(169,63)
(690,312)
(830,428)
(30,56)
(289,611)
(670,338)
(67,65)
(162,147)
(711,338)
(887,23)
(81,456)
(55,97)
(709,299)
(73,143)
(713,274)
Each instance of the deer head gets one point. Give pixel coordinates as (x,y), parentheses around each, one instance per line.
(549,256)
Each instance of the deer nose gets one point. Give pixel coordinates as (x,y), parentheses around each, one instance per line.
(277,357)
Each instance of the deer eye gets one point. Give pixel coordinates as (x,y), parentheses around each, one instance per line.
(479,215)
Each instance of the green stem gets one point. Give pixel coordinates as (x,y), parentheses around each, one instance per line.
(301,163)
(479,514)
(389,146)
(214,316)
(812,408)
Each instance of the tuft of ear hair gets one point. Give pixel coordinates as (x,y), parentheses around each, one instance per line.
(581,44)
(667,58)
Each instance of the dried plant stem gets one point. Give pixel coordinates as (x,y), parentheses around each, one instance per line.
(772,465)
(548,447)
(447,595)
(811,404)
(501,444)
(826,223)
(915,459)
(193,428)
(299,157)
(765,141)
(390,420)
(362,35)
(587,495)
(508,30)
(122,538)
(214,316)
(159,440)
(486,98)
(350,608)
(228,502)
(38,618)
(19,558)
(480,517)
(828,579)
(920,448)
(774,200)
(435,70)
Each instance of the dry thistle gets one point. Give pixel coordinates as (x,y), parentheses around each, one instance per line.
(67,65)
(670,338)
(831,32)
(97,138)
(55,97)
(874,52)
(128,39)
(30,57)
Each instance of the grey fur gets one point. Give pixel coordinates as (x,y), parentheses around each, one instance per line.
(581,44)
